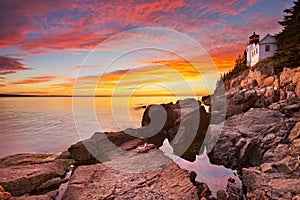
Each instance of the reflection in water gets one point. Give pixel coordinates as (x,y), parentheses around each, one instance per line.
(214,175)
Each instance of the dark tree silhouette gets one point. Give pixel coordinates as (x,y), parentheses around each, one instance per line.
(288,40)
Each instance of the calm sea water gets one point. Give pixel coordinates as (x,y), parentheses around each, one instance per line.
(52,124)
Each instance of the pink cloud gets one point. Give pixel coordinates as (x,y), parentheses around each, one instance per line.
(73,40)
(226,7)
(7,72)
(73,25)
(98,20)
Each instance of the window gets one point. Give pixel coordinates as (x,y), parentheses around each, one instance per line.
(267,48)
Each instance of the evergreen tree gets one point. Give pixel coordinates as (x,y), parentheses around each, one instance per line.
(288,40)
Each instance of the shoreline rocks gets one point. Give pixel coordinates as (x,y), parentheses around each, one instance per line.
(250,139)
(260,138)
(264,146)
(259,87)
(103,146)
(22,174)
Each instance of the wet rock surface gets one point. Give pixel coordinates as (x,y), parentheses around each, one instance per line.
(27,173)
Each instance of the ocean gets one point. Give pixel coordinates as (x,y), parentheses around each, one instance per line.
(52,124)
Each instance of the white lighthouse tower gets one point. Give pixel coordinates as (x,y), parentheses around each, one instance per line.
(253,50)
(260,49)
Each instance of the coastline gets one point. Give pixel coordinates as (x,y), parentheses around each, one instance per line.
(259,138)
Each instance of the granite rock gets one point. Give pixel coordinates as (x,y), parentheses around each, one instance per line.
(24,173)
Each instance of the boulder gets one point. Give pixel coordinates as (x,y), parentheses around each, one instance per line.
(102,147)
(206,100)
(235,82)
(288,76)
(203,190)
(268,81)
(291,110)
(234,191)
(282,94)
(24,173)
(4,195)
(239,101)
(297,89)
(249,83)
(221,195)
(261,72)
(184,125)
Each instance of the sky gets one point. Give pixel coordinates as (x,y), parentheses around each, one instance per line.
(98,47)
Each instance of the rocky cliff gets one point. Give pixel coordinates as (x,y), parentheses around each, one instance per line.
(261,87)
(261,134)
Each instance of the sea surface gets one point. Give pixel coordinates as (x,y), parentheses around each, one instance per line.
(52,124)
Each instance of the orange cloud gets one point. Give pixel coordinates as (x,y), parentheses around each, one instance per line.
(166,73)
(33,80)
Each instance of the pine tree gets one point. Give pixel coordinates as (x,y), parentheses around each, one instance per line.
(288,40)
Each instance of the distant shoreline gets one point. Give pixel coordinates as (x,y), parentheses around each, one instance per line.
(24,95)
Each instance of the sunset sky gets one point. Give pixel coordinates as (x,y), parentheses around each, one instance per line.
(46,45)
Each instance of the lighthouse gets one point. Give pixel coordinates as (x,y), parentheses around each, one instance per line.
(253,49)
(259,49)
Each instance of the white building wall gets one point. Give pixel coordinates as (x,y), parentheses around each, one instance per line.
(264,54)
(254,55)
(267,43)
(249,50)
